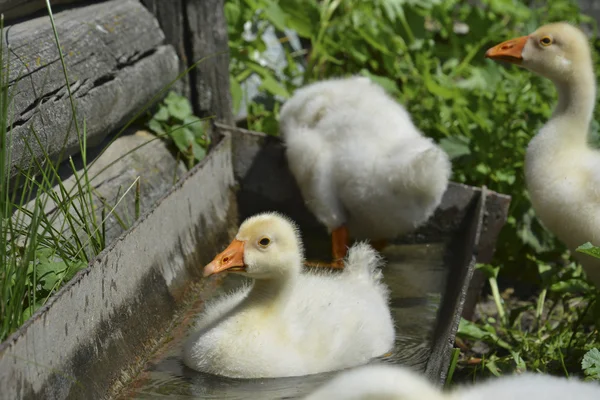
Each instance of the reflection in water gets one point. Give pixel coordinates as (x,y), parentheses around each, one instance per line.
(416,277)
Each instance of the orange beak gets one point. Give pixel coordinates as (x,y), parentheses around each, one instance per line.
(230,259)
(511,50)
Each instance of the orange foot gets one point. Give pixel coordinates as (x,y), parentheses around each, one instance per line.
(339,248)
(339,245)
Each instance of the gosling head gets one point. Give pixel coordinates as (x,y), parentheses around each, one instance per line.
(556,51)
(267,246)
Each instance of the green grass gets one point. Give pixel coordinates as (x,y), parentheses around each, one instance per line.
(40,250)
(482,113)
(549,332)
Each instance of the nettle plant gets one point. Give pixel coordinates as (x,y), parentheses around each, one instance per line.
(175,119)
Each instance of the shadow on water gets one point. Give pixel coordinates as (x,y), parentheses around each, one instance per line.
(416,277)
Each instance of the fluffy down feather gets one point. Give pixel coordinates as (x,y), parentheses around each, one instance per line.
(359,160)
(386,382)
(292,323)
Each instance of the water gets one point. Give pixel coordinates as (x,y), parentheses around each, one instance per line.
(416,277)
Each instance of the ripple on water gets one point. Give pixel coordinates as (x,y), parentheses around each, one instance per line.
(415,275)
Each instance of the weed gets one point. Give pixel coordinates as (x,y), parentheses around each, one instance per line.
(49,228)
(174,119)
(430,56)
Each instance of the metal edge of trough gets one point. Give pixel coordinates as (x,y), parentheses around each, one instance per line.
(97,325)
(462,265)
(476,215)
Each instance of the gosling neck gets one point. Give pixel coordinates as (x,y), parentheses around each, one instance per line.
(576,101)
(276,290)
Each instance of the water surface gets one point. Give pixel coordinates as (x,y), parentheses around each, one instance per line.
(416,277)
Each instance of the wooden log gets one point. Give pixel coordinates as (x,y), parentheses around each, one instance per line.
(116,62)
(98,328)
(13,9)
(140,156)
(207,32)
(113,175)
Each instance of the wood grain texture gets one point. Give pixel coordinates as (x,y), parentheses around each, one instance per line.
(116,61)
(170,16)
(207,34)
(13,9)
(137,155)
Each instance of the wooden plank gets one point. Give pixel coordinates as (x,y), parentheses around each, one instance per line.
(13,9)
(136,155)
(100,326)
(207,32)
(171,19)
(116,62)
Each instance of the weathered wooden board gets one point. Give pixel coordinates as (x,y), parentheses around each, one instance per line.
(21,8)
(207,32)
(140,156)
(171,18)
(100,325)
(116,62)
(198,29)
(136,156)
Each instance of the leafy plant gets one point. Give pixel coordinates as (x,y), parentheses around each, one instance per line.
(175,119)
(49,228)
(589,249)
(591,364)
(37,252)
(549,333)
(428,55)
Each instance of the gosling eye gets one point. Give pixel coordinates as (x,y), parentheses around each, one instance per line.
(264,242)
(546,41)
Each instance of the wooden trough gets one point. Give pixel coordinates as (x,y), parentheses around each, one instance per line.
(104,326)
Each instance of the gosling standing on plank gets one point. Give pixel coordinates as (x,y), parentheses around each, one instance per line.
(362,166)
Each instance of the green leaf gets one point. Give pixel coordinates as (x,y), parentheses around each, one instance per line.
(50,273)
(162,114)
(28,312)
(456,146)
(589,249)
(470,330)
(591,364)
(74,267)
(271,85)
(570,286)
(493,368)
(489,270)
(199,151)
(180,108)
(156,127)
(171,98)
(269,82)
(301,16)
(232,13)
(519,362)
(276,15)
(182,137)
(195,125)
